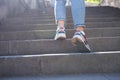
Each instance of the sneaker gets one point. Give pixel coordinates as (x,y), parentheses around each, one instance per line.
(79,36)
(60,34)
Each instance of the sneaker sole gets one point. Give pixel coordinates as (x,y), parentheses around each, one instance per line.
(61,38)
(78,42)
(75,41)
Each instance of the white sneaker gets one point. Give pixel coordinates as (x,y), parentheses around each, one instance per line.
(60,34)
(79,36)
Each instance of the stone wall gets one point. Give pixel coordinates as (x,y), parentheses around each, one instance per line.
(14,7)
(114,3)
(9,8)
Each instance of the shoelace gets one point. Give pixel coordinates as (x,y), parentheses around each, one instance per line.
(61,30)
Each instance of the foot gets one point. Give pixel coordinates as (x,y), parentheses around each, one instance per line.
(60,34)
(79,36)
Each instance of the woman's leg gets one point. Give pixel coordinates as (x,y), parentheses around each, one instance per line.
(60,17)
(60,11)
(78,13)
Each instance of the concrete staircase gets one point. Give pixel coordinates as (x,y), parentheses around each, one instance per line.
(27,47)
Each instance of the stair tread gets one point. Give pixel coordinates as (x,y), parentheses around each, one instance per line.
(49,34)
(87,76)
(60,40)
(66,63)
(60,54)
(48,46)
(23,52)
(40,24)
(30,21)
(27,27)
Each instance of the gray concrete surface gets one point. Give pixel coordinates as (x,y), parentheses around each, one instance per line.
(49,34)
(62,63)
(47,46)
(112,76)
(14,7)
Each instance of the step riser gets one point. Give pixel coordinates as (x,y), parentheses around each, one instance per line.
(52,17)
(53,26)
(88,12)
(68,12)
(32,35)
(51,46)
(52,21)
(60,64)
(18,22)
(36,53)
(49,18)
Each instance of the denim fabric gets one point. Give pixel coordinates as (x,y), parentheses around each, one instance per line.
(78,11)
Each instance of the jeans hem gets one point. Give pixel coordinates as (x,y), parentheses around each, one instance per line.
(59,20)
(82,25)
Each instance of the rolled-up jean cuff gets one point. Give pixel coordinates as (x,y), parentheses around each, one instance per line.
(82,25)
(59,20)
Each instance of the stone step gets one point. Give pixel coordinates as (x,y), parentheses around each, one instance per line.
(48,46)
(88,14)
(84,76)
(88,8)
(68,16)
(69,24)
(44,21)
(24,27)
(57,64)
(89,11)
(49,34)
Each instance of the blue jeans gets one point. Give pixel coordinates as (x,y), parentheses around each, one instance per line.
(78,11)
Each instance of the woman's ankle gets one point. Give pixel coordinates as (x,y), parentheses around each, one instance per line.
(80,28)
(60,23)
